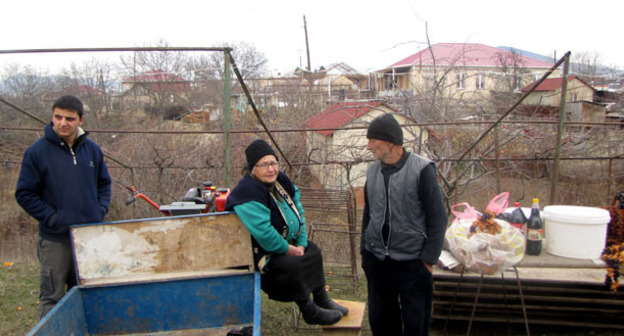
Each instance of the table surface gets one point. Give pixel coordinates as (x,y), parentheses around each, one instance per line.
(550,267)
(548,260)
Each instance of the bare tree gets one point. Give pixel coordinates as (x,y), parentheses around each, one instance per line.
(94,81)
(26,87)
(250,61)
(144,61)
(159,75)
(586,64)
(207,70)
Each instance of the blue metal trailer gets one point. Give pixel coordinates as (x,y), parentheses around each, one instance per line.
(181,275)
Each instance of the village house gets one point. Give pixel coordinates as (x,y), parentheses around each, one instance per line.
(546,98)
(342,82)
(339,135)
(155,88)
(94,100)
(467,71)
(549,91)
(337,82)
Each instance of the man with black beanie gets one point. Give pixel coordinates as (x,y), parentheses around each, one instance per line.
(403,227)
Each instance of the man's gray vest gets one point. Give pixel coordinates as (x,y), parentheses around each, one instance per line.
(407,220)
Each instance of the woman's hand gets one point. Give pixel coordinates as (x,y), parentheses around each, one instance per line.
(296,251)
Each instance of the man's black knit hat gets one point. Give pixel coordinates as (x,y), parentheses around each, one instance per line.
(386,128)
(256,151)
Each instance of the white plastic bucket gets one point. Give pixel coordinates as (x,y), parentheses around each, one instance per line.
(576,231)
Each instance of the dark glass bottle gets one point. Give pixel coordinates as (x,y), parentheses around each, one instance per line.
(517,219)
(535,230)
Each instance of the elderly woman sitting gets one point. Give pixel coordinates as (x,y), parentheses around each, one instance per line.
(267,203)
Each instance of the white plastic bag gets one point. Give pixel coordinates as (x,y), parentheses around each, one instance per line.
(483,252)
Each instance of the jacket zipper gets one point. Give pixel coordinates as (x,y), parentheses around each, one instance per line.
(73,155)
(387,243)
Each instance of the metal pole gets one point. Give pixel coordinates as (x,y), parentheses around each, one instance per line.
(562,117)
(497,160)
(250,101)
(57,50)
(502,117)
(305,28)
(226,117)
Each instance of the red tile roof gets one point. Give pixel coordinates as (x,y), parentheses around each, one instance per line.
(155,76)
(340,114)
(160,81)
(79,90)
(465,54)
(551,84)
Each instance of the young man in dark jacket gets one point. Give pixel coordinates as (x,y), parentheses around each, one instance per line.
(403,227)
(63,181)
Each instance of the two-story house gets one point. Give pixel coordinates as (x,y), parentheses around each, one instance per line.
(467,72)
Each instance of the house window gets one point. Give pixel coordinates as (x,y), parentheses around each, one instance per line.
(460,80)
(480,81)
(517,82)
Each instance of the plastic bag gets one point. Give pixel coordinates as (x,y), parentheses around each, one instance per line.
(496,206)
(483,252)
(499,203)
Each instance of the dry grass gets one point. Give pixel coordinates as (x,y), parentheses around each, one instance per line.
(19,290)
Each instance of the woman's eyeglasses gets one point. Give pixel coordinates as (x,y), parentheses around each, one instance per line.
(266,165)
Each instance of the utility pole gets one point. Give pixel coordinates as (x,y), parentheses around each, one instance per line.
(305,29)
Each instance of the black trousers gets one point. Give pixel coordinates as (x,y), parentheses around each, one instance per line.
(289,278)
(400,296)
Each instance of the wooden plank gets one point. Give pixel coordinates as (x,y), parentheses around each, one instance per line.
(129,251)
(151,277)
(547,260)
(349,325)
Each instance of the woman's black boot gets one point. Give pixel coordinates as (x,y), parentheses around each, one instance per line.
(313,314)
(321,298)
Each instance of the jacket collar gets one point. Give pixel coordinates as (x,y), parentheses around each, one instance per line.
(51,135)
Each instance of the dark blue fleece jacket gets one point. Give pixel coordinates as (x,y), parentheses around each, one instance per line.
(60,186)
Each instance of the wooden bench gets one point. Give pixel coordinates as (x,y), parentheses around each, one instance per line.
(350,325)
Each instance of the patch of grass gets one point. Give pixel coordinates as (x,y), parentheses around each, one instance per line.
(19,290)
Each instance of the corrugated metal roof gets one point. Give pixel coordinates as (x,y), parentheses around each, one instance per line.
(340,114)
(465,54)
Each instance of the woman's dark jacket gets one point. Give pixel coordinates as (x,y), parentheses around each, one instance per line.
(250,189)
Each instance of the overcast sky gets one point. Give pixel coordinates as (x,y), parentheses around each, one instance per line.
(366,34)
